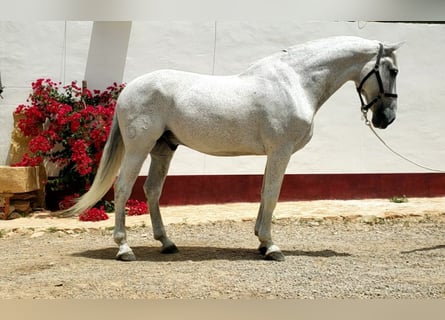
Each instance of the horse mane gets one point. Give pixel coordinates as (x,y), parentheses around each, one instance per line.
(316,49)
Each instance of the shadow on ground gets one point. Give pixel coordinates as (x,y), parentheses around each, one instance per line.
(442,246)
(192,253)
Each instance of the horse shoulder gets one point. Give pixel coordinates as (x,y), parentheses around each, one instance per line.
(280,87)
(288,109)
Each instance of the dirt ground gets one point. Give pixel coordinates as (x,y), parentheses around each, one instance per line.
(334,249)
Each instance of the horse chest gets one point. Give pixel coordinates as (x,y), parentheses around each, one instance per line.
(305,137)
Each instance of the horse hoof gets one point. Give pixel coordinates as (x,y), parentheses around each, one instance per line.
(262,250)
(126,256)
(275,256)
(170,249)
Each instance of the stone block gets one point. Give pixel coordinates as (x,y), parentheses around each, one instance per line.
(19,179)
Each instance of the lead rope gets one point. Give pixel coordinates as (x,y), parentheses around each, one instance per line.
(214,48)
(368,124)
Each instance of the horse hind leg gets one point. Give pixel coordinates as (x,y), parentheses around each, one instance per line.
(161,156)
(130,168)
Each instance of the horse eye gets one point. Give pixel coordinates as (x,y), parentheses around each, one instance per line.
(393,71)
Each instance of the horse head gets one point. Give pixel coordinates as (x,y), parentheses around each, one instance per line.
(378,86)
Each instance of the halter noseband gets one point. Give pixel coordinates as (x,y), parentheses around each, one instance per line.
(382,93)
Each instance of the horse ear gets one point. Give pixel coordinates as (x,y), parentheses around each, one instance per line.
(390,48)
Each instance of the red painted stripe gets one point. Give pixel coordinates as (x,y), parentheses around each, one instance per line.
(202,189)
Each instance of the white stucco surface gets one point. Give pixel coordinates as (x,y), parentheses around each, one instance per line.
(341,142)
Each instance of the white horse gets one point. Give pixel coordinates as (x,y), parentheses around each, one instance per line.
(266,110)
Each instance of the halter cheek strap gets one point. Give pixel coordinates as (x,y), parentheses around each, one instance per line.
(382,94)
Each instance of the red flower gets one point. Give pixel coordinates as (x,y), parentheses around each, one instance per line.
(68,201)
(80,157)
(136,208)
(40,144)
(75,122)
(27,161)
(62,114)
(94,214)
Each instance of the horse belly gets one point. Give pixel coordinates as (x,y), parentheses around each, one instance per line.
(219,138)
(222,130)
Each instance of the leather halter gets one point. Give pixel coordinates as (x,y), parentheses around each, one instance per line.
(382,93)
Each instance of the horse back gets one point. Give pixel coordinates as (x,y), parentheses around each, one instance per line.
(219,115)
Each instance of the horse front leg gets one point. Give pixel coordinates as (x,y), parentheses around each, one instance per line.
(272,180)
(161,156)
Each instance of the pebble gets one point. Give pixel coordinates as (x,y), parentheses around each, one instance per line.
(38,234)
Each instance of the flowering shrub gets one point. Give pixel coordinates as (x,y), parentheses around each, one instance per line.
(94,214)
(136,208)
(69,127)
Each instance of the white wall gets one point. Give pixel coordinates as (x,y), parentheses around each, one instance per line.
(32,50)
(341,142)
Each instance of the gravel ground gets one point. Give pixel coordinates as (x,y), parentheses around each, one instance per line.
(398,257)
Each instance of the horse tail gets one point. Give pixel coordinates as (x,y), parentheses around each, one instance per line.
(108,168)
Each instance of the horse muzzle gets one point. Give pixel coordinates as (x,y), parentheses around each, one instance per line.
(382,119)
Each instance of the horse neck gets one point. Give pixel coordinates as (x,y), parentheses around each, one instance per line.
(325,67)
